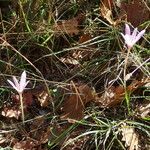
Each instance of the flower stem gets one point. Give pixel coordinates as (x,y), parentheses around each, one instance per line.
(22,108)
(125,66)
(125,84)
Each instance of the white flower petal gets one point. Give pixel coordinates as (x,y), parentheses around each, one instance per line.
(128,41)
(134,34)
(127,29)
(26,83)
(16,82)
(123,35)
(139,35)
(13,85)
(23,81)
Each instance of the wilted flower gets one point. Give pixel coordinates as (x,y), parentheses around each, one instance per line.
(19,87)
(131,39)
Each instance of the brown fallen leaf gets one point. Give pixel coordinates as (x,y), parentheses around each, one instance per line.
(74,105)
(70,27)
(2,139)
(27,98)
(40,131)
(24,145)
(130,137)
(144,110)
(84,37)
(78,143)
(106,11)
(108,3)
(45,136)
(115,95)
(37,123)
(43,95)
(136,11)
(112,96)
(70,60)
(44,98)
(12,112)
(82,54)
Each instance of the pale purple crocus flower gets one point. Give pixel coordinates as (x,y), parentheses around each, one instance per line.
(19,86)
(131,39)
